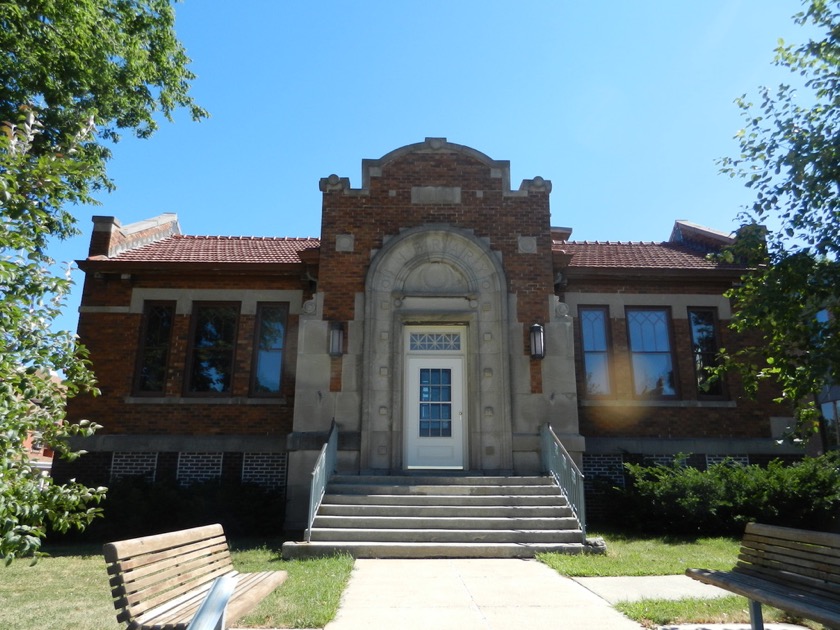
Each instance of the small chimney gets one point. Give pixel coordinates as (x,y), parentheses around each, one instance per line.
(110,237)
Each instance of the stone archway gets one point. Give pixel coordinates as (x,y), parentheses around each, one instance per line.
(436,275)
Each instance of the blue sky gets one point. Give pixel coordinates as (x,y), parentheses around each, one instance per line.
(624,105)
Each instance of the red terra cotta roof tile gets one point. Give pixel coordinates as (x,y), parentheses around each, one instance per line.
(218,249)
(615,255)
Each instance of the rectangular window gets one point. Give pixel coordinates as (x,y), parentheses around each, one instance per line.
(649,332)
(212,348)
(153,350)
(595,342)
(704,346)
(831,423)
(435,402)
(270,339)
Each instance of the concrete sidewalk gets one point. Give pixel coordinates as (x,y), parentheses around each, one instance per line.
(501,594)
(469,595)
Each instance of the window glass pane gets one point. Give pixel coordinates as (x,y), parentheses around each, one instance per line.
(593,327)
(593,323)
(435,394)
(705,346)
(434,341)
(272,327)
(213,346)
(648,331)
(268,369)
(597,374)
(702,331)
(653,375)
(154,349)
(830,411)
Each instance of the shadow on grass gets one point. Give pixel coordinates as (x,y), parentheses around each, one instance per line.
(624,535)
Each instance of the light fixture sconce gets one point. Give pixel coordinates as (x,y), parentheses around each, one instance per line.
(537,341)
(336,339)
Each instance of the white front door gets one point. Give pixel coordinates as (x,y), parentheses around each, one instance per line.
(435,412)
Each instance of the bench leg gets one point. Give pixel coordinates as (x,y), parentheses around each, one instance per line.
(756,619)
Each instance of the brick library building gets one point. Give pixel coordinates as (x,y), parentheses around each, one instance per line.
(440,323)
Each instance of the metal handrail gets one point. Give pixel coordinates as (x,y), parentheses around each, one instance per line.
(325,466)
(557,461)
(211,614)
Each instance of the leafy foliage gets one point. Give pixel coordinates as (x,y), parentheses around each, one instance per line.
(134,507)
(790,156)
(117,62)
(73,73)
(34,189)
(679,499)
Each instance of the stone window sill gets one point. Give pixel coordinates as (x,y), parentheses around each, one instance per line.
(202,400)
(687,404)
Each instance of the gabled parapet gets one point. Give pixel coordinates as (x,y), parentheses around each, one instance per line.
(373,168)
(110,237)
(699,237)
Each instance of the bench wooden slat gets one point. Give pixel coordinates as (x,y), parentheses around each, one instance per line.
(826,539)
(791,581)
(796,571)
(251,589)
(148,544)
(779,596)
(799,552)
(148,563)
(159,582)
(174,587)
(792,569)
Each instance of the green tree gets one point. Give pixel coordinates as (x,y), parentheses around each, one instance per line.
(790,156)
(73,74)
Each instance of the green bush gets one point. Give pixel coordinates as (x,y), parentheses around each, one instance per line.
(135,507)
(679,499)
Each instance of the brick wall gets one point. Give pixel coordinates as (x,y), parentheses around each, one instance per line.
(112,339)
(386,208)
(736,416)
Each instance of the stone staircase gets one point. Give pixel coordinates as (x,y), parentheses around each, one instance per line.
(434,516)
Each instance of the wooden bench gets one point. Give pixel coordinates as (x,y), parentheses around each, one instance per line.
(159,582)
(792,569)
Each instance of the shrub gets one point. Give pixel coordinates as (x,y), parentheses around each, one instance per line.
(678,499)
(136,507)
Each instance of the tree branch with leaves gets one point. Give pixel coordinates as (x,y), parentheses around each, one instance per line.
(790,156)
(73,75)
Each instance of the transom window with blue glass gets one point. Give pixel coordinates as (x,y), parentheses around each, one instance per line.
(431,342)
(435,402)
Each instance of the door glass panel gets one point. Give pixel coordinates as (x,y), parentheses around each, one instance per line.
(435,402)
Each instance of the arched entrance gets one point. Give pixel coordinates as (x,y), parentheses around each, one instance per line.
(436,310)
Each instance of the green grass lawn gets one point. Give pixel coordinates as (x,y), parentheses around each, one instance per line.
(69,590)
(647,555)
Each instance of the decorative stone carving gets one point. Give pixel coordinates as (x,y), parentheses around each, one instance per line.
(334,182)
(435,277)
(344,242)
(527,244)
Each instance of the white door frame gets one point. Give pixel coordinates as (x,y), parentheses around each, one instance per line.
(434,347)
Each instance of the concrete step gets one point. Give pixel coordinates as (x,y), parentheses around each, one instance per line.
(376,536)
(423,522)
(435,516)
(441,480)
(449,489)
(431,511)
(302,550)
(445,499)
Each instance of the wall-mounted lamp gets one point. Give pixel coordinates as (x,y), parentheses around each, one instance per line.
(336,339)
(537,341)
